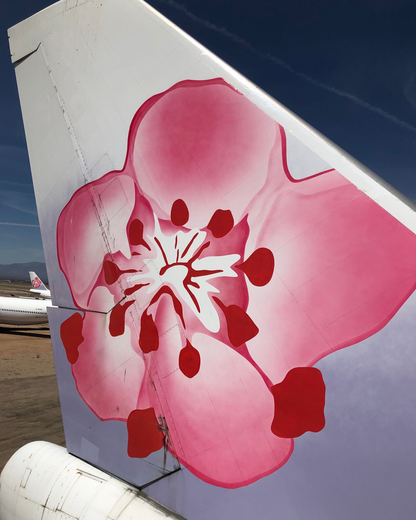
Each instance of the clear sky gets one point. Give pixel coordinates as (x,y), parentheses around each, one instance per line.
(347,67)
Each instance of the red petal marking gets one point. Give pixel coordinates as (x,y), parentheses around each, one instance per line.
(132,290)
(188,246)
(136,234)
(259,267)
(179,214)
(221,223)
(71,335)
(118,318)
(176,303)
(149,336)
(112,272)
(144,434)
(241,327)
(299,403)
(189,360)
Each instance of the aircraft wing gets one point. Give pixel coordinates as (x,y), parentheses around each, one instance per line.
(236,308)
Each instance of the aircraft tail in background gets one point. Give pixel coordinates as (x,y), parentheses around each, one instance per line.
(38,287)
(228,283)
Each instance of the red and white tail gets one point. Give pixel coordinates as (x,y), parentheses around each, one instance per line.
(227,280)
(38,287)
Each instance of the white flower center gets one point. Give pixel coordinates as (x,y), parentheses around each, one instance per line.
(178,265)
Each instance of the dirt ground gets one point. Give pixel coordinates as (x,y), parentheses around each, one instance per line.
(29,403)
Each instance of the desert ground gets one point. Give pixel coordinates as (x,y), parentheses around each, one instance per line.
(29,402)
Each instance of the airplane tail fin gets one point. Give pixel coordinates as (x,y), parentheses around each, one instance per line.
(37,282)
(207,251)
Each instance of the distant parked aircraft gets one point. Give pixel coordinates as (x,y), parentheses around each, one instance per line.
(23,311)
(38,286)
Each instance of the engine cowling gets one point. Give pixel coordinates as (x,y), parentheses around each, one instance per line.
(42,481)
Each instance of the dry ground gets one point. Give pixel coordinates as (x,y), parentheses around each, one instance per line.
(29,403)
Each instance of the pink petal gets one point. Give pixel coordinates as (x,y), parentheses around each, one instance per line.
(108,373)
(81,248)
(187,145)
(220,420)
(343,267)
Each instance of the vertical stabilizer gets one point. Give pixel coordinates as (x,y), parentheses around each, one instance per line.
(235,295)
(38,287)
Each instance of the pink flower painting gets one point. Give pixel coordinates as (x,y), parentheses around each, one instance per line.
(219,283)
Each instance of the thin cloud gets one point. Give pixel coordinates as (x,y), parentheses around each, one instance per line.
(19,201)
(289,68)
(13,183)
(18,224)
(12,148)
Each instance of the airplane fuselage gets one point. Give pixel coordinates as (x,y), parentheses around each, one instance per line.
(23,311)
(41,294)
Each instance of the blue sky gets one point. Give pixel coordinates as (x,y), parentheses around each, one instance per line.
(347,67)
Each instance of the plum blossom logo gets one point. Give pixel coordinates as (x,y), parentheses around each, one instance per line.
(221,280)
(36,282)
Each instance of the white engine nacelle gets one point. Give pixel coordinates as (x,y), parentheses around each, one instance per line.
(43,481)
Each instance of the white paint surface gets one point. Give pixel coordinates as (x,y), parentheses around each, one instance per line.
(43,481)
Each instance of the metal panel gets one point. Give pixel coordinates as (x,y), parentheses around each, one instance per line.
(208,251)
(84,434)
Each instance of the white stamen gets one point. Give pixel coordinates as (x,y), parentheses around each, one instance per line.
(187,246)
